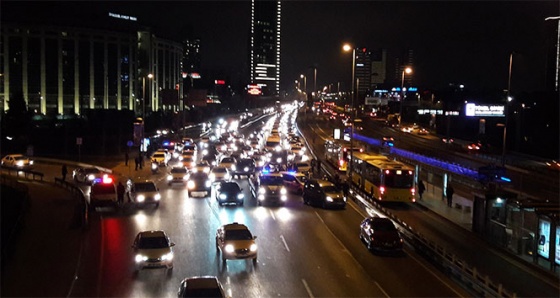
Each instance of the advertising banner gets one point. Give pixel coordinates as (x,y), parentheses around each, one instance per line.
(544,238)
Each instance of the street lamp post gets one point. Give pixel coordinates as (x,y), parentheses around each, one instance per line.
(347,48)
(144,95)
(508,99)
(407,70)
(304,83)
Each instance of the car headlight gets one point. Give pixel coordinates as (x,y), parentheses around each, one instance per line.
(157,197)
(208,183)
(190,184)
(222,196)
(229,248)
(140,198)
(169,177)
(262,190)
(167,257)
(329,199)
(30,162)
(283,191)
(246,169)
(140,258)
(253,247)
(283,198)
(91,177)
(240,196)
(19,163)
(154,166)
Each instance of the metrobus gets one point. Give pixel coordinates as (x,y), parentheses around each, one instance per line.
(337,152)
(384,179)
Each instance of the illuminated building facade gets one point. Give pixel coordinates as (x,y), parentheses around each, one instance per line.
(65,70)
(265,45)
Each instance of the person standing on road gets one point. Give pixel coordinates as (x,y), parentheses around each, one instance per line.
(421,188)
(449,194)
(126,158)
(136,163)
(120,193)
(64,172)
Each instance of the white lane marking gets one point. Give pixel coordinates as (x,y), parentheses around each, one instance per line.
(307,288)
(436,276)
(285,244)
(272,214)
(380,288)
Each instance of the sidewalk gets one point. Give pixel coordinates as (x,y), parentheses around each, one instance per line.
(460,213)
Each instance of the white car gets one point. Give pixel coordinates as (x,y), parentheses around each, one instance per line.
(153,249)
(219,173)
(228,163)
(178,175)
(19,161)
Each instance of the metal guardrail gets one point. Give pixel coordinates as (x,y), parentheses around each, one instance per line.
(24,172)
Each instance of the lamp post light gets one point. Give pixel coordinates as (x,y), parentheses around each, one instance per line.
(347,48)
(407,70)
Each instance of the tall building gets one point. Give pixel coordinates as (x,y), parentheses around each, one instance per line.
(378,67)
(362,73)
(406,59)
(191,62)
(265,45)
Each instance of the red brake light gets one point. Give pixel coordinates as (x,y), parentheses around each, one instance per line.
(107,179)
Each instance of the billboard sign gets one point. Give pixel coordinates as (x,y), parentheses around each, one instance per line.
(474,110)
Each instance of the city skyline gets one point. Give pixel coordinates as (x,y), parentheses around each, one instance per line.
(453,41)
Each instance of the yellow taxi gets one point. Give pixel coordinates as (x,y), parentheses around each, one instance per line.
(235,241)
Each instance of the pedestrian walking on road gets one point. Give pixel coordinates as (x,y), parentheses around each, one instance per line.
(120,193)
(126,158)
(345,187)
(64,172)
(318,166)
(421,189)
(449,194)
(140,161)
(136,163)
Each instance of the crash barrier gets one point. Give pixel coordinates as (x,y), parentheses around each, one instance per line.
(81,210)
(448,262)
(25,173)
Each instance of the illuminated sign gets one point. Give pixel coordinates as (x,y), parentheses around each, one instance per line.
(544,238)
(473,110)
(254,89)
(409,89)
(360,64)
(123,17)
(195,75)
(219,82)
(557,246)
(430,111)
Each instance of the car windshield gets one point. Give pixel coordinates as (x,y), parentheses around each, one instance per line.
(219,170)
(145,187)
(238,235)
(91,171)
(228,160)
(383,226)
(330,189)
(272,180)
(153,242)
(178,170)
(158,155)
(230,187)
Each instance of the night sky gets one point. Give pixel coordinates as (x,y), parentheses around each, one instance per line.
(453,41)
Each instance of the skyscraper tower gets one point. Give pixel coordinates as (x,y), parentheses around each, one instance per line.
(265,45)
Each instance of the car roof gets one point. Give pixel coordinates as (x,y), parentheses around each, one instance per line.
(202,282)
(235,226)
(152,234)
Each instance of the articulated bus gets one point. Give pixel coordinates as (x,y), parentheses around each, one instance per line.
(337,152)
(384,179)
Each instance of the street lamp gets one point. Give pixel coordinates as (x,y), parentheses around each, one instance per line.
(347,48)
(508,99)
(407,70)
(144,95)
(304,82)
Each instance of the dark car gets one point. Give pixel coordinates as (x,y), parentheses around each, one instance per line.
(201,286)
(229,193)
(323,193)
(244,167)
(199,184)
(380,234)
